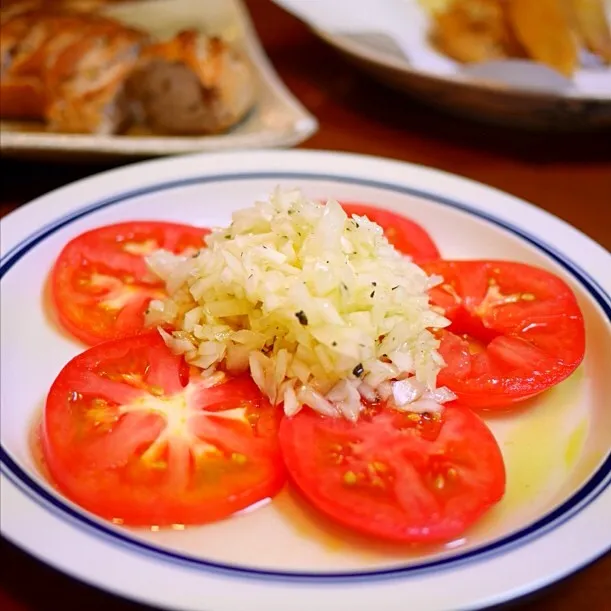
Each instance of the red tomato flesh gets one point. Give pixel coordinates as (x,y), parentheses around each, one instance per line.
(130,436)
(404,234)
(100,283)
(516,330)
(396,476)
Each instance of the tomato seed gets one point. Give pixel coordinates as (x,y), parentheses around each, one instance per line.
(238,458)
(350,478)
(336,458)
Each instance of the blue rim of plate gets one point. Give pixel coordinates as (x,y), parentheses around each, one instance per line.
(583,497)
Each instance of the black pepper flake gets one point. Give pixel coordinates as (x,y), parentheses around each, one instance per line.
(344,286)
(358,370)
(394,287)
(334,344)
(301,317)
(374,284)
(372,294)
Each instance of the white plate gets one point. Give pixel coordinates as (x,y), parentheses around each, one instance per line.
(278,119)
(553,519)
(390,41)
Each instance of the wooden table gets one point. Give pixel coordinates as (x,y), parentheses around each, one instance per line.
(567,175)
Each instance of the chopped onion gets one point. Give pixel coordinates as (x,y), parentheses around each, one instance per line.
(304,297)
(406,391)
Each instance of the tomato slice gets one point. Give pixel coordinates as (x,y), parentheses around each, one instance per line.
(100,283)
(396,476)
(129,436)
(404,234)
(516,330)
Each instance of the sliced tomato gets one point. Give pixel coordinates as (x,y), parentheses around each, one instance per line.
(396,476)
(100,283)
(516,330)
(129,435)
(404,234)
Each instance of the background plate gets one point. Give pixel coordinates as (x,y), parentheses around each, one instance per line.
(278,120)
(390,42)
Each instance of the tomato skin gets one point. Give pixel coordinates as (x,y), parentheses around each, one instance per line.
(405,235)
(100,284)
(393,477)
(129,436)
(527,322)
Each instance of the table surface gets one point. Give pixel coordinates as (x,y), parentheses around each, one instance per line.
(568,175)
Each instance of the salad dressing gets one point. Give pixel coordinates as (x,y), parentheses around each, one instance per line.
(540,451)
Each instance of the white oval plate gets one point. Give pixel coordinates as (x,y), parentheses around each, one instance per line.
(390,40)
(553,519)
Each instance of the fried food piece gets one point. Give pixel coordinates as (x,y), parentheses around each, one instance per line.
(86,82)
(67,68)
(544,29)
(475,31)
(548,31)
(592,26)
(192,84)
(435,6)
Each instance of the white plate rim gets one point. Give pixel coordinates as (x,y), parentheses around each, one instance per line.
(405,177)
(378,57)
(303,126)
